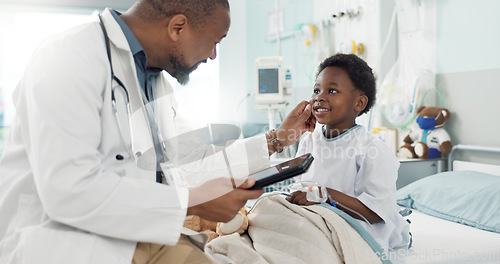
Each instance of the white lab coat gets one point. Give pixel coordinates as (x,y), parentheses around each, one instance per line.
(64,196)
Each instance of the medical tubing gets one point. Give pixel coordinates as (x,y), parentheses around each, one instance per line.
(441,101)
(388,36)
(331,201)
(379,60)
(441,104)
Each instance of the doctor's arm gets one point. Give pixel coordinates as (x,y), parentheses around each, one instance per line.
(299,121)
(198,162)
(217,200)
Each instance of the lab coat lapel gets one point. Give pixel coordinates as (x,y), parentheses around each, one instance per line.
(124,69)
(165,108)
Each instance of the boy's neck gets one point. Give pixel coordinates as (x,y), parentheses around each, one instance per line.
(331,132)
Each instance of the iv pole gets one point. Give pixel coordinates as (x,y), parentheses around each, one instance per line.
(271,111)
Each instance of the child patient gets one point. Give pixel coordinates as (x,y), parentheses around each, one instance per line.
(359,170)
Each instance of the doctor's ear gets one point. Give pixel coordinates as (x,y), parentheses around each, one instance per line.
(176,26)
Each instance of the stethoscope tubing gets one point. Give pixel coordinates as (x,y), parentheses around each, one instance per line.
(113,87)
(127,101)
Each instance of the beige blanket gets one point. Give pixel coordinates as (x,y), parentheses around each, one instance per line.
(281,232)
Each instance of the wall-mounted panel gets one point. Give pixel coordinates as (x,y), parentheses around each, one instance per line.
(468,35)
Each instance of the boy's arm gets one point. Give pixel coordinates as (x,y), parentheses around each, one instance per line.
(350,205)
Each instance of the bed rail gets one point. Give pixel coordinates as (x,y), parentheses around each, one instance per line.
(477,148)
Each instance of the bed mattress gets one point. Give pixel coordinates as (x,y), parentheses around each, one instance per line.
(440,241)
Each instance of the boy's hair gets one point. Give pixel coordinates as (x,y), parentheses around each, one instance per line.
(359,72)
(197,11)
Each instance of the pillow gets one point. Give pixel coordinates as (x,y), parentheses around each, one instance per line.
(466,197)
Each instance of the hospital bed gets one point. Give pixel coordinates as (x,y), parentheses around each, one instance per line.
(456,214)
(455,219)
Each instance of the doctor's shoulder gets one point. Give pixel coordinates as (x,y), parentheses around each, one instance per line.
(80,38)
(76,53)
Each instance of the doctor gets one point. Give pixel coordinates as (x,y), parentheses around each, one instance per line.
(78,178)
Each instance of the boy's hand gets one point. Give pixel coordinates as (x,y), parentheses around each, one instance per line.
(299,198)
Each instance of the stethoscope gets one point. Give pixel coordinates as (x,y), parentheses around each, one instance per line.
(113,98)
(127,103)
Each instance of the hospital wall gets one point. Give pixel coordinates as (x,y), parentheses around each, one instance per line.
(468,69)
(248,39)
(467,62)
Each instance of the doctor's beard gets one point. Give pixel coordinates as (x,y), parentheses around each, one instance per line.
(181,70)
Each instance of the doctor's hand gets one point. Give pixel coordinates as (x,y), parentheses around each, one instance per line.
(296,123)
(217,200)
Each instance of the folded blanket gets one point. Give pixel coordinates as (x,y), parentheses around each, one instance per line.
(281,232)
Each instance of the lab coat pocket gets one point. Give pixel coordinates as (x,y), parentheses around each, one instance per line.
(50,244)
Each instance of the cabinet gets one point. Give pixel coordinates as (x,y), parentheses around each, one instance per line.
(412,170)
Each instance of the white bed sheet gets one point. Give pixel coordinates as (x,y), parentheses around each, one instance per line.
(439,241)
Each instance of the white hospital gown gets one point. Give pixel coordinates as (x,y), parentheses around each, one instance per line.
(362,166)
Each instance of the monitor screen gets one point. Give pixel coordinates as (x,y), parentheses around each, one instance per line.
(269,81)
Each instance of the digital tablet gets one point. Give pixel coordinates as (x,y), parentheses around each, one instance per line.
(281,171)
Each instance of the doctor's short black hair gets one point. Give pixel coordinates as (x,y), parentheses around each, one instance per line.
(197,11)
(359,72)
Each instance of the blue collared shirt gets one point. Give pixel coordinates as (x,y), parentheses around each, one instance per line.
(144,74)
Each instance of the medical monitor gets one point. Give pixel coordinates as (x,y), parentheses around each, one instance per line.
(270,77)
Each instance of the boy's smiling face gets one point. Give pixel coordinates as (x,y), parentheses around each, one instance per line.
(335,100)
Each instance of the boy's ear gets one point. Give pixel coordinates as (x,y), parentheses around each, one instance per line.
(361,103)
